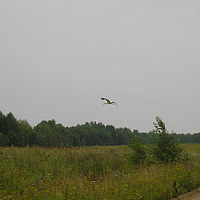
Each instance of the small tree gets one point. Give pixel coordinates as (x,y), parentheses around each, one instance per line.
(138,153)
(166,148)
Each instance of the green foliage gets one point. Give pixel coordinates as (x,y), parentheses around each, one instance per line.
(160,126)
(3,139)
(91,173)
(166,148)
(138,153)
(50,134)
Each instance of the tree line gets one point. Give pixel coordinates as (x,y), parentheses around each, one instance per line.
(14,132)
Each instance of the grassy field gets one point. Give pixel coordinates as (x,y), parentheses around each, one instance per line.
(92,173)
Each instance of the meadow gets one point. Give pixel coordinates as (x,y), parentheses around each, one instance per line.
(92,173)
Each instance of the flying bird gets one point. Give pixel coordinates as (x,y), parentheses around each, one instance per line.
(108,101)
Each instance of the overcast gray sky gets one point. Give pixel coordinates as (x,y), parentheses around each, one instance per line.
(59,57)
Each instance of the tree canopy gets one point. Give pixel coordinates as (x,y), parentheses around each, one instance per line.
(14,132)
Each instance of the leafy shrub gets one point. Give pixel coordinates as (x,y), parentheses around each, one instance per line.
(138,154)
(166,148)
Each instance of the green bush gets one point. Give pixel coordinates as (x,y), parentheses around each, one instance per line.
(138,153)
(166,148)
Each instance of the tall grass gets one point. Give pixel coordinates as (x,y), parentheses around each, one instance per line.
(91,173)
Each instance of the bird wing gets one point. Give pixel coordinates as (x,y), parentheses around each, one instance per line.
(114,103)
(105,99)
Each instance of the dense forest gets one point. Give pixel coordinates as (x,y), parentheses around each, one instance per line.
(20,133)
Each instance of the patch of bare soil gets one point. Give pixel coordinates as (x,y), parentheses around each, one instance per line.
(193,195)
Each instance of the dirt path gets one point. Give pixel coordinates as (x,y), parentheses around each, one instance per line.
(194,195)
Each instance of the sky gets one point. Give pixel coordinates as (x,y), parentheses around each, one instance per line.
(59,57)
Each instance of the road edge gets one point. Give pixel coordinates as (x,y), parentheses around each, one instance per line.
(189,195)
